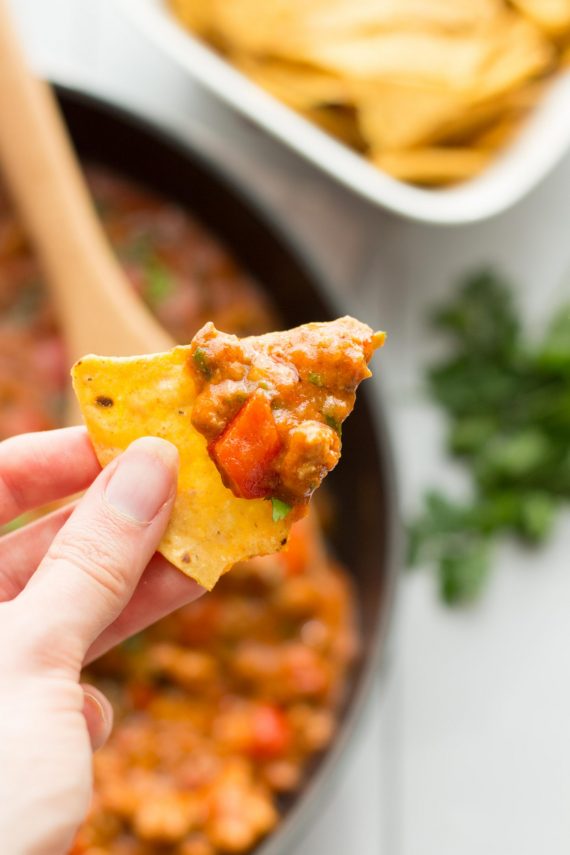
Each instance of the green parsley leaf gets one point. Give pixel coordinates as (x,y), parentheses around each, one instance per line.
(463,571)
(279,509)
(508,403)
(555,350)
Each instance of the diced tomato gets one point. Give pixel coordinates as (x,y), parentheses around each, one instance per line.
(245,450)
(271,734)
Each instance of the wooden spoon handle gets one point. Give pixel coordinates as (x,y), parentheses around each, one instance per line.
(98,309)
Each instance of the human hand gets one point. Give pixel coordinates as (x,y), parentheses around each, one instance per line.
(72,584)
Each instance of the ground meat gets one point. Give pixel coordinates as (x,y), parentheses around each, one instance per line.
(271,407)
(313,449)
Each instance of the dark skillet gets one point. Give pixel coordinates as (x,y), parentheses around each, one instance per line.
(365,530)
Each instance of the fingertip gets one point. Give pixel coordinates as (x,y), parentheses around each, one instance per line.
(156,446)
(161,590)
(148,461)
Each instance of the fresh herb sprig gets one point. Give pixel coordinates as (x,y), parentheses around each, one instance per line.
(508,402)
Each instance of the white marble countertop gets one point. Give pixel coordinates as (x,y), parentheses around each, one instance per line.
(466,749)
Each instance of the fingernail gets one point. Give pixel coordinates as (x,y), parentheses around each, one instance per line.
(144,479)
(99,717)
(93,708)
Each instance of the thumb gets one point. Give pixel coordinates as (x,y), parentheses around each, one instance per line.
(94,563)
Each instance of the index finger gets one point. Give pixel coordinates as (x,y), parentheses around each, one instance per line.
(37,468)
(161,590)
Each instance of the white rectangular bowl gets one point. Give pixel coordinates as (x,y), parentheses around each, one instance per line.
(539,146)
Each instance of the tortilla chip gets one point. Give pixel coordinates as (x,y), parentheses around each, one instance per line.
(498,134)
(400,114)
(299,85)
(409,75)
(339,122)
(484,62)
(123,399)
(518,53)
(434,165)
(403,55)
(288,28)
(553,16)
(197,15)
(394,114)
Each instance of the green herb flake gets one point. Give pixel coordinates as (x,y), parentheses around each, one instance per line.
(333,423)
(158,282)
(201,362)
(279,509)
(315,379)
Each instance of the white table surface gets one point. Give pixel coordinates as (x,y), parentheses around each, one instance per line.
(466,748)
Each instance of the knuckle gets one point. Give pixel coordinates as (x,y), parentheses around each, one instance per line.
(12,502)
(97,554)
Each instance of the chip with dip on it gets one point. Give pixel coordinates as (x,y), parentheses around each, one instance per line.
(257,423)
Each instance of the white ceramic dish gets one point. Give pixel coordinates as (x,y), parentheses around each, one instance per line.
(540,145)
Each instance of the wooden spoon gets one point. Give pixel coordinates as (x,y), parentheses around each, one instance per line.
(98,310)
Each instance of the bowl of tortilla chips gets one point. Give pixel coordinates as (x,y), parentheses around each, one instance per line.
(446,111)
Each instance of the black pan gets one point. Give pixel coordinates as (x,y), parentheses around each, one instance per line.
(365,532)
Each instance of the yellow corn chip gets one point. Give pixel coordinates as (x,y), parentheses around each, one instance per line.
(340,122)
(197,15)
(484,63)
(431,166)
(299,85)
(407,75)
(399,114)
(553,16)
(498,135)
(517,53)
(210,529)
(287,28)
(394,115)
(430,58)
